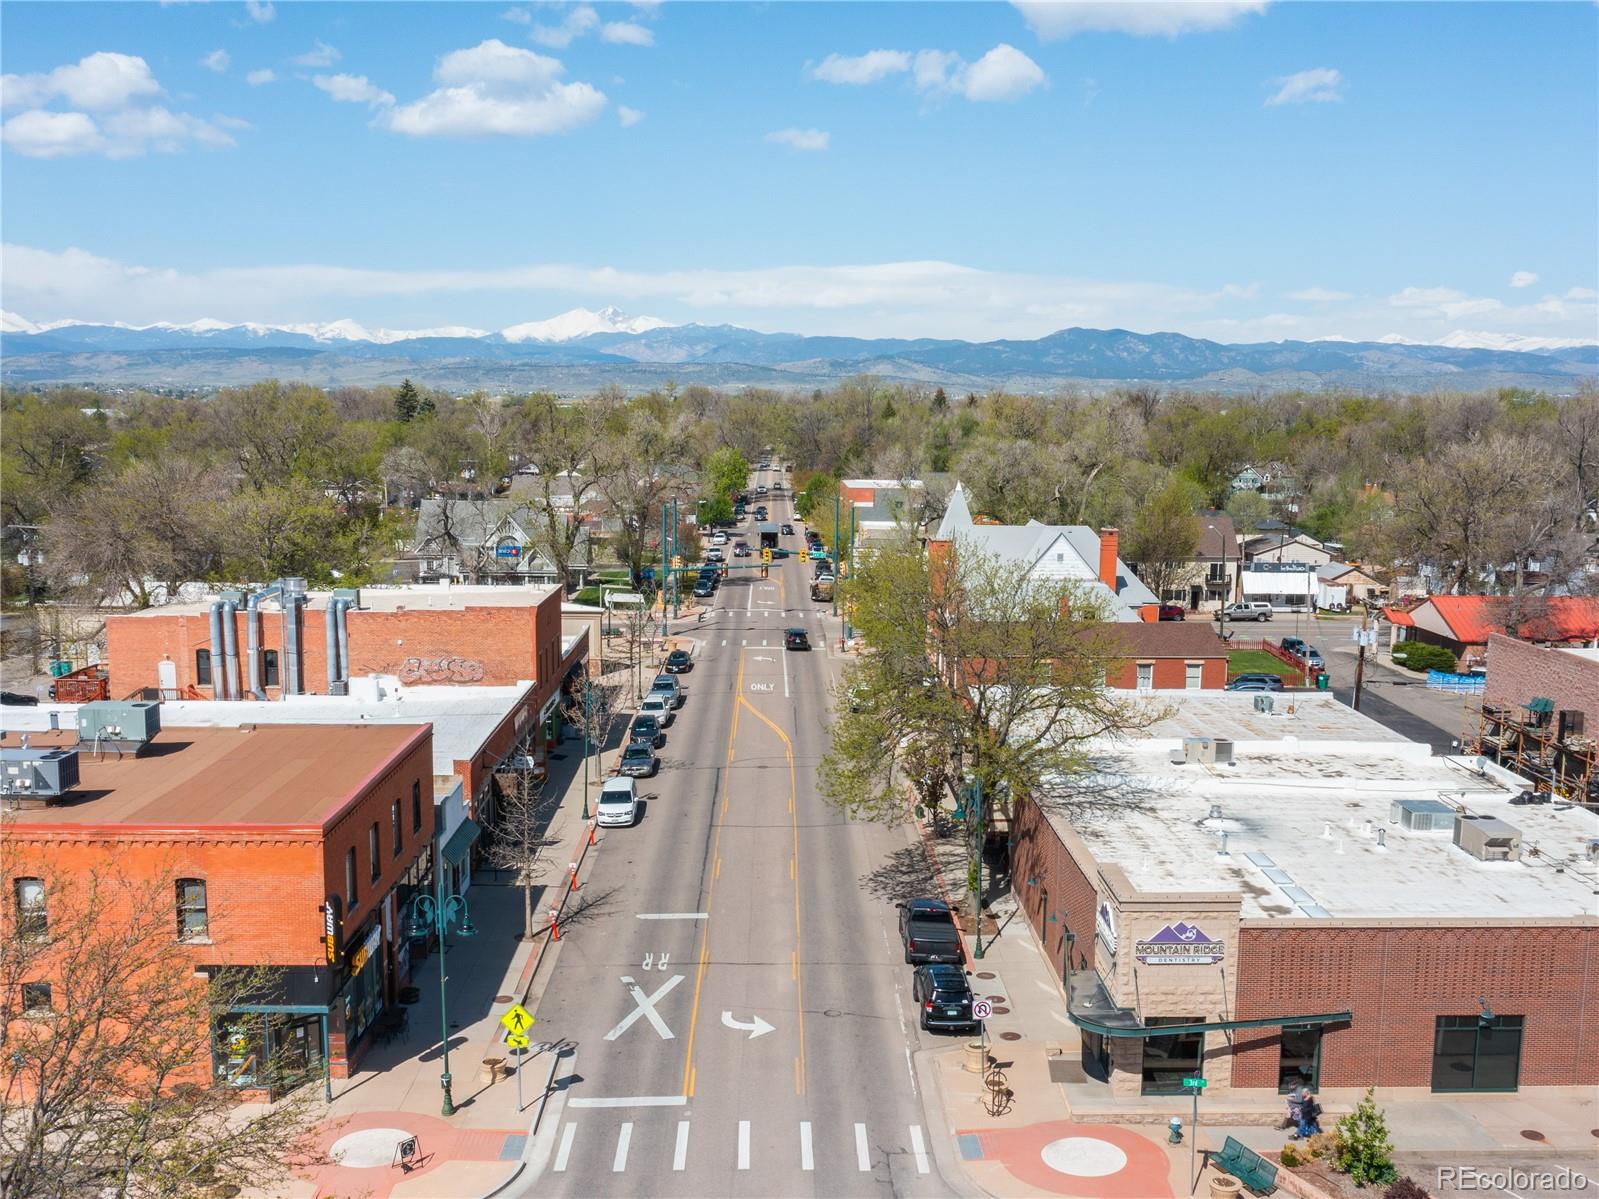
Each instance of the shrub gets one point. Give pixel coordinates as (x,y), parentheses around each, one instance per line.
(1364,1151)
(1406,1188)
(1289,1156)
(1322,1144)
(1423,656)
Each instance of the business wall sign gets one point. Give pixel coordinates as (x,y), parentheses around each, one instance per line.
(1105,925)
(1180,944)
(332,928)
(507,549)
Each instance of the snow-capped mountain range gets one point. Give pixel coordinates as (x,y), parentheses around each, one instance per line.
(583,349)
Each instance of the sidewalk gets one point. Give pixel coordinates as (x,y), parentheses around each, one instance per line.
(397,1092)
(1065,1134)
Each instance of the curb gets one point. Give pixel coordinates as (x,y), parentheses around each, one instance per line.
(949,1163)
(515,1174)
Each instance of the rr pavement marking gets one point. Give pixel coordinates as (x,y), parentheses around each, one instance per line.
(680,1152)
(623,1139)
(565,1150)
(863,1151)
(646,1008)
(743,1144)
(807,1162)
(919,1148)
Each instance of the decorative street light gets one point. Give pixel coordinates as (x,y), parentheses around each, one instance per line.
(438,912)
(588,719)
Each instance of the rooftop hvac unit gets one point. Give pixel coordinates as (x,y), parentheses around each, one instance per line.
(126,726)
(1421,815)
(1207,749)
(1487,839)
(40,773)
(1264,703)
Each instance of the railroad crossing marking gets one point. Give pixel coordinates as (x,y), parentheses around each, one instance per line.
(646,1008)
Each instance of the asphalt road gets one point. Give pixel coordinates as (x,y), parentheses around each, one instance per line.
(735,994)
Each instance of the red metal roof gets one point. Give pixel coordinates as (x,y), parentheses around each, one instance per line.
(1557,618)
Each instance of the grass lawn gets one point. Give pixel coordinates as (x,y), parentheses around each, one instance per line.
(1257,661)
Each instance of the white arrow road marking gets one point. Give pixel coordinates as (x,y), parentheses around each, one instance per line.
(646,1008)
(761,658)
(756,1029)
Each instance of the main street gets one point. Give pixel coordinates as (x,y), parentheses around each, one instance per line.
(735,995)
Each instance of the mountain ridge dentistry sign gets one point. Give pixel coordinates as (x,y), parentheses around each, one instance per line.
(1180,944)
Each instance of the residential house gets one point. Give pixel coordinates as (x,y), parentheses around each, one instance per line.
(1212,579)
(1462,624)
(1277,542)
(1051,551)
(1169,655)
(1359,584)
(490,541)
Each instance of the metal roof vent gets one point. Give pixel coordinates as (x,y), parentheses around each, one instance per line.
(1215,812)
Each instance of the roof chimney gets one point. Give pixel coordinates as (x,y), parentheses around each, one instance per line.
(1109,544)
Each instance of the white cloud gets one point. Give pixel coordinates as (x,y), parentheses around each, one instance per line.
(114,88)
(1318,295)
(319,55)
(354,89)
(1582,293)
(1523,279)
(262,75)
(99,81)
(626,33)
(1004,73)
(800,139)
(1055,19)
(917,299)
(1317,85)
(1425,297)
(41,134)
(628,116)
(217,61)
(862,68)
(932,69)
(492,88)
(260,11)
(580,20)
(519,16)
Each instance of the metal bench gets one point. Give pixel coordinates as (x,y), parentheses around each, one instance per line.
(1247,1166)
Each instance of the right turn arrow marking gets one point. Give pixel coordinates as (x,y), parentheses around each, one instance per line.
(754,1029)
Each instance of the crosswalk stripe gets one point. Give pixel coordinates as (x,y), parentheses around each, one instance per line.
(623,1139)
(806,1161)
(743,1144)
(919,1148)
(680,1153)
(565,1151)
(863,1151)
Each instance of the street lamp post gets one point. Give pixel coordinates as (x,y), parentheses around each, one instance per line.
(438,912)
(974,809)
(588,719)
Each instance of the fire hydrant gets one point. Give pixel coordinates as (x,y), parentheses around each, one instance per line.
(1174,1134)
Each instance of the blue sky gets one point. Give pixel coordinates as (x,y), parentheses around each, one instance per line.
(1244,171)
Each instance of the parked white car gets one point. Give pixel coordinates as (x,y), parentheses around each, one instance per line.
(618,804)
(658,705)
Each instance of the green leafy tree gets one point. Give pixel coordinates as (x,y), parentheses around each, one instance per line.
(1365,1151)
(1164,537)
(1248,510)
(727,472)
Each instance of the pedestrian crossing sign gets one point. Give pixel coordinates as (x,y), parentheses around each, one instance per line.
(516,1040)
(517,1021)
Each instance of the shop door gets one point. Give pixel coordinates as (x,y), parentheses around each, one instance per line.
(1471,1053)
(296,1052)
(1170,1059)
(1300,1063)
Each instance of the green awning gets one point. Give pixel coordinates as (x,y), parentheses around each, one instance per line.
(1090,1007)
(1541,705)
(455,849)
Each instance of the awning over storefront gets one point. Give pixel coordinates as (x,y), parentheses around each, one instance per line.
(460,842)
(1090,1007)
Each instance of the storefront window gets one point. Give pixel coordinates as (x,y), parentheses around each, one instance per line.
(1477,1053)
(363,994)
(275,1052)
(1300,1064)
(1170,1059)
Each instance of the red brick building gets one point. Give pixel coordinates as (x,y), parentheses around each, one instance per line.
(1301,895)
(1171,655)
(292,846)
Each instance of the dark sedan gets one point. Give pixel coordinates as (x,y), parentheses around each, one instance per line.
(1256,682)
(678,661)
(638,761)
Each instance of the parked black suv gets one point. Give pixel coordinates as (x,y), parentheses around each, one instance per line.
(945,997)
(796,639)
(648,730)
(927,927)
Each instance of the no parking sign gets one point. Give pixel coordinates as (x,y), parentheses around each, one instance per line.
(982,1010)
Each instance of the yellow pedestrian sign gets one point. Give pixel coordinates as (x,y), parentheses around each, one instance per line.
(517,1021)
(516,1040)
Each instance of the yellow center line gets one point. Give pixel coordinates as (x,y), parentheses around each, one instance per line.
(793,792)
(716,852)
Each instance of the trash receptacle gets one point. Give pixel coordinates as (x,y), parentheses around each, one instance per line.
(1323,681)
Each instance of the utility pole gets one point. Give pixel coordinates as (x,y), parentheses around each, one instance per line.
(1360,658)
(666,570)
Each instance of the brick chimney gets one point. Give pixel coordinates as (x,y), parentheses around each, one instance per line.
(1109,544)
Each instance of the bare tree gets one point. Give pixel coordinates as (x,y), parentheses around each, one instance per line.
(456,529)
(563,445)
(105,1080)
(595,711)
(523,812)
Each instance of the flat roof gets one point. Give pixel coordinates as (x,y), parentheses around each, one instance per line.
(463,718)
(1301,808)
(281,776)
(419,598)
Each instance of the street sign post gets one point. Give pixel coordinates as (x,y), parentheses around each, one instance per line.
(982,1010)
(1195,1086)
(518,1020)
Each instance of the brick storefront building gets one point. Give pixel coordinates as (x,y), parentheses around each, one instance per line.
(1305,896)
(292,847)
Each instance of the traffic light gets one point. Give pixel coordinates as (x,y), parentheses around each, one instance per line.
(766,553)
(677,561)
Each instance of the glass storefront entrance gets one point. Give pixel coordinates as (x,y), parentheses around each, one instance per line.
(1477,1053)
(1170,1059)
(270,1051)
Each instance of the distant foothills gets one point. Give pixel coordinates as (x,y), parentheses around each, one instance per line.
(583,350)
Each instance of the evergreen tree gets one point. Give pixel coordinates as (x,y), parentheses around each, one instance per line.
(405,402)
(1365,1152)
(940,400)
